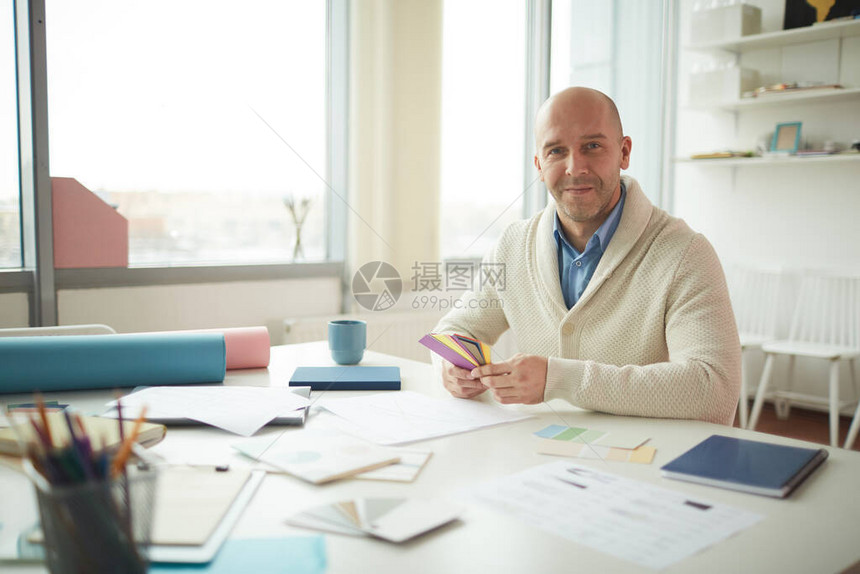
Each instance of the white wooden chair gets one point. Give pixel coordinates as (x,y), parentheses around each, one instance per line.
(94,329)
(757,301)
(825,325)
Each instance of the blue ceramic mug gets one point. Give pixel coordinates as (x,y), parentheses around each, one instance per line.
(347,340)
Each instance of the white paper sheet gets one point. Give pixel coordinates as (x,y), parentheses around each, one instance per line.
(399,418)
(241,410)
(318,455)
(648,525)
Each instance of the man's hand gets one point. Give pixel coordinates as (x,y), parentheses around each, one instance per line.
(522,379)
(459,382)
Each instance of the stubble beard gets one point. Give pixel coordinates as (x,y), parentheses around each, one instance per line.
(571,209)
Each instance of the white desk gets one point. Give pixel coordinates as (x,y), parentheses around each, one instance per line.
(815,530)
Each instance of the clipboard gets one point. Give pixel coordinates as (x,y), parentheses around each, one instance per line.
(159,551)
(215,530)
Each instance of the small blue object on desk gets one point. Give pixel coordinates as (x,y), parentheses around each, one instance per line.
(295,554)
(746,465)
(347,378)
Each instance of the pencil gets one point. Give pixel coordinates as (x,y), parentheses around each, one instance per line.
(125,449)
(40,403)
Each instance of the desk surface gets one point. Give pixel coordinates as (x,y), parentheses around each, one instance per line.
(815,530)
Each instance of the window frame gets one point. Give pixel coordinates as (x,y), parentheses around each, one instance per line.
(37,276)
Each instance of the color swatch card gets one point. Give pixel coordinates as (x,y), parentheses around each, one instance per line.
(317,455)
(619,439)
(405,470)
(392,519)
(640,455)
(460,350)
(579,442)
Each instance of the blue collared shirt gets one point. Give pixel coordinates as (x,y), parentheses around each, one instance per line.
(574,268)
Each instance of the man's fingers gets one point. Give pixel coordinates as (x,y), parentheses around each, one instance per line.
(498,382)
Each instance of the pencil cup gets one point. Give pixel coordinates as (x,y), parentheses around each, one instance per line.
(98,526)
(347,340)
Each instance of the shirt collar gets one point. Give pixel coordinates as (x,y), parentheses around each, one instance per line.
(601,237)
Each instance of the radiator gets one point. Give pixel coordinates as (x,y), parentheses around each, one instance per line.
(394,333)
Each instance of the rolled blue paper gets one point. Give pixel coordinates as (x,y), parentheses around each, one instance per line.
(73,362)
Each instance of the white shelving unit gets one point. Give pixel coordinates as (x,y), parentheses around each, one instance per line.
(823,95)
(787,161)
(810,97)
(813,33)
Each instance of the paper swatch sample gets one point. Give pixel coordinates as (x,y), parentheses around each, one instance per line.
(302,554)
(406,470)
(392,519)
(460,350)
(647,525)
(240,410)
(641,455)
(407,416)
(596,444)
(317,455)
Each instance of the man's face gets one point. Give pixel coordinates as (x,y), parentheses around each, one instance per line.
(581,152)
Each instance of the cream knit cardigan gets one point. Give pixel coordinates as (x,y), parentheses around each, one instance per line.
(653,334)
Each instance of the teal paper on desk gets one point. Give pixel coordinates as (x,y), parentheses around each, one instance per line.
(75,362)
(296,554)
(347,378)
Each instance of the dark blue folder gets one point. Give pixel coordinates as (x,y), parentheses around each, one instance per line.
(347,378)
(746,465)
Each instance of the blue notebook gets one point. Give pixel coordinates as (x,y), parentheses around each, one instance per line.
(347,378)
(746,465)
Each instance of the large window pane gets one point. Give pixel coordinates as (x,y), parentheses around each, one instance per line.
(10,212)
(196,119)
(483,102)
(615,46)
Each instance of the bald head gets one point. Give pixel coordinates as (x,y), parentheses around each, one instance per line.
(578,102)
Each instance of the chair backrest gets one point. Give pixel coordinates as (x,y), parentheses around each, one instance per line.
(827,311)
(757,299)
(60,330)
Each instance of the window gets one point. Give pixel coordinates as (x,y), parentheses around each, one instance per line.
(10,212)
(616,47)
(197,120)
(483,101)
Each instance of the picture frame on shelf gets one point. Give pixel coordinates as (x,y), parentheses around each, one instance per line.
(786,138)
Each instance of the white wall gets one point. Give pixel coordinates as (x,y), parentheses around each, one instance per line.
(773,216)
(199,306)
(14,310)
(395,131)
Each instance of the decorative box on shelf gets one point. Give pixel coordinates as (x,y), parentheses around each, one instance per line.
(724,22)
(722,85)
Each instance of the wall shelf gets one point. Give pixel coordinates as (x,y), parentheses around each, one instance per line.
(823,95)
(770,161)
(842,29)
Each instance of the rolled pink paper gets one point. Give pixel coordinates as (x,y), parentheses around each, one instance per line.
(247,347)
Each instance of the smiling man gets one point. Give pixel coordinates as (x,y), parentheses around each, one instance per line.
(615,305)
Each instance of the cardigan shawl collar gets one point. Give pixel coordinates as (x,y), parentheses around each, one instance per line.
(634,219)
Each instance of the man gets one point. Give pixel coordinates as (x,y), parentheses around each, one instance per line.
(615,305)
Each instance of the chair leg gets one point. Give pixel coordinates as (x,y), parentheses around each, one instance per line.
(855,427)
(782,405)
(743,400)
(762,389)
(834,403)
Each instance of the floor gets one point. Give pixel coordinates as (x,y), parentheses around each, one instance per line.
(804,424)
